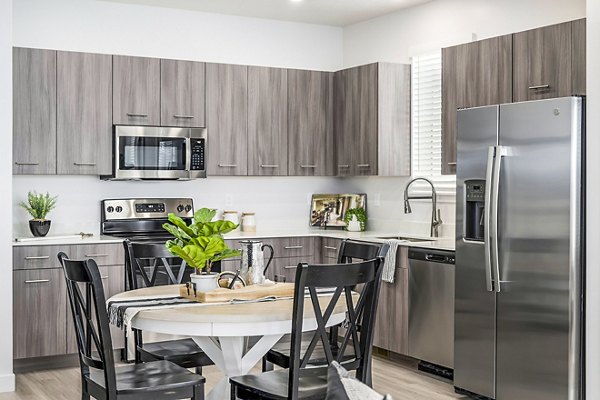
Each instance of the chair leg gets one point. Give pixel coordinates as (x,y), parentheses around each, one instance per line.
(199,370)
(266,365)
(233,392)
(85,396)
(198,392)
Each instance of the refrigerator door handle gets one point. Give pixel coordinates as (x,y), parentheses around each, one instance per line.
(501,151)
(486,218)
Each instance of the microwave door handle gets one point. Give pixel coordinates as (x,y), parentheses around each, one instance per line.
(188,155)
(486,218)
(501,151)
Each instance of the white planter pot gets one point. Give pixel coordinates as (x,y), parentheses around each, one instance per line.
(353,225)
(205,282)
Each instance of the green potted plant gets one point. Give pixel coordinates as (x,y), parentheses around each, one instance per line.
(355,219)
(38,206)
(200,244)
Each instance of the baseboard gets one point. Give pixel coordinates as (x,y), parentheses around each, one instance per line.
(7,383)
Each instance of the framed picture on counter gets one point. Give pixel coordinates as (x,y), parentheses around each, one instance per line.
(328,210)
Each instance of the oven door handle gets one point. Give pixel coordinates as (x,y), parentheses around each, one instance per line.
(188,155)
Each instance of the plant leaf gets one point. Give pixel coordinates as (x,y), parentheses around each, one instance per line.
(204,215)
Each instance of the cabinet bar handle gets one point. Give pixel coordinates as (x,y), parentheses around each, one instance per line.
(290,266)
(330,247)
(84,164)
(539,87)
(269,166)
(183,116)
(451,163)
(26,163)
(343,166)
(137,115)
(38,281)
(96,255)
(293,247)
(363,165)
(308,166)
(37,257)
(228,165)
(104,277)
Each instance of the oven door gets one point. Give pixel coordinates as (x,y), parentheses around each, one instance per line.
(151,153)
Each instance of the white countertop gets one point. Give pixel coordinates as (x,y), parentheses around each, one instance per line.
(432,243)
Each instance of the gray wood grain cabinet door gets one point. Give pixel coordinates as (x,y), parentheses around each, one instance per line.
(393,104)
(578,62)
(365,158)
(84,114)
(182,98)
(473,74)
(267,121)
(542,63)
(34,111)
(346,121)
(136,90)
(310,123)
(227,119)
(39,313)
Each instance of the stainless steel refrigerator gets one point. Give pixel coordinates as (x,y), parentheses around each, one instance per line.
(519,250)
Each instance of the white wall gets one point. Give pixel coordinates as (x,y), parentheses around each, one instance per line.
(394,37)
(7,379)
(593,199)
(114,28)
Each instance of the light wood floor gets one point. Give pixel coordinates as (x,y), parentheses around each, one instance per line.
(398,378)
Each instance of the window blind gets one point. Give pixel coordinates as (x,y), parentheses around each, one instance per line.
(427,114)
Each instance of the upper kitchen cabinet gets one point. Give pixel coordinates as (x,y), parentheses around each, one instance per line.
(227,119)
(310,123)
(542,63)
(84,113)
(473,74)
(136,91)
(578,55)
(182,95)
(372,120)
(267,121)
(34,111)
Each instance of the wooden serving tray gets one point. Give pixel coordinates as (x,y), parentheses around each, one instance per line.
(252,292)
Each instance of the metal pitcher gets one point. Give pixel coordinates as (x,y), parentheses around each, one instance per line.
(253,266)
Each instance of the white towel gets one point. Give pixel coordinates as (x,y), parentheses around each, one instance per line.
(389,264)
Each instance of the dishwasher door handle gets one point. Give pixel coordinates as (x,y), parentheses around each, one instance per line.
(435,257)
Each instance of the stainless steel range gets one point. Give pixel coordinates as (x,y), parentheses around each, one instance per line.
(142,219)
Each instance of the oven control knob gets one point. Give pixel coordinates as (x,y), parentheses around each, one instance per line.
(110,209)
(180,208)
(119,209)
(188,208)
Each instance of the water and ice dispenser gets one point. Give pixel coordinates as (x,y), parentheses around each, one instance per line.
(474,209)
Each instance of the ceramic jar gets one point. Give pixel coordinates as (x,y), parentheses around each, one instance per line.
(248,222)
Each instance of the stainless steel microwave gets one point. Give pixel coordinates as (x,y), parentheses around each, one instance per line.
(148,152)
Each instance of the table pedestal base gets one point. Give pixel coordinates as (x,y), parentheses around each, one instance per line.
(230,356)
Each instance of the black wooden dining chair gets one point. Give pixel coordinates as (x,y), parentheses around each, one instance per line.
(301,380)
(144,265)
(100,378)
(350,250)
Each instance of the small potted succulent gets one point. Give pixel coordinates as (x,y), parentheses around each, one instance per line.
(355,219)
(38,206)
(200,244)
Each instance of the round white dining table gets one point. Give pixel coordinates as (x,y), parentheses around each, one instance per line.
(221,330)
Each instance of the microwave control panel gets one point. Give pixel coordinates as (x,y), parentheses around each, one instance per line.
(198,147)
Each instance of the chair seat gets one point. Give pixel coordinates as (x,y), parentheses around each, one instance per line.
(273,385)
(148,377)
(183,352)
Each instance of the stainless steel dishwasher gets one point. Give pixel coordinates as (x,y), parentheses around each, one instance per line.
(431,309)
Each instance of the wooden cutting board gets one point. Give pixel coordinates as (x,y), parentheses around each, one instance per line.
(252,292)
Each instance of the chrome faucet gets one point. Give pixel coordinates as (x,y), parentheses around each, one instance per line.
(436,218)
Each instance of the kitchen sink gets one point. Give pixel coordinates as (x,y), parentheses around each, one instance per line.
(406,239)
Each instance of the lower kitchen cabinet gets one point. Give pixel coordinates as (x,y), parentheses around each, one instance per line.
(39,313)
(329,249)
(391,324)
